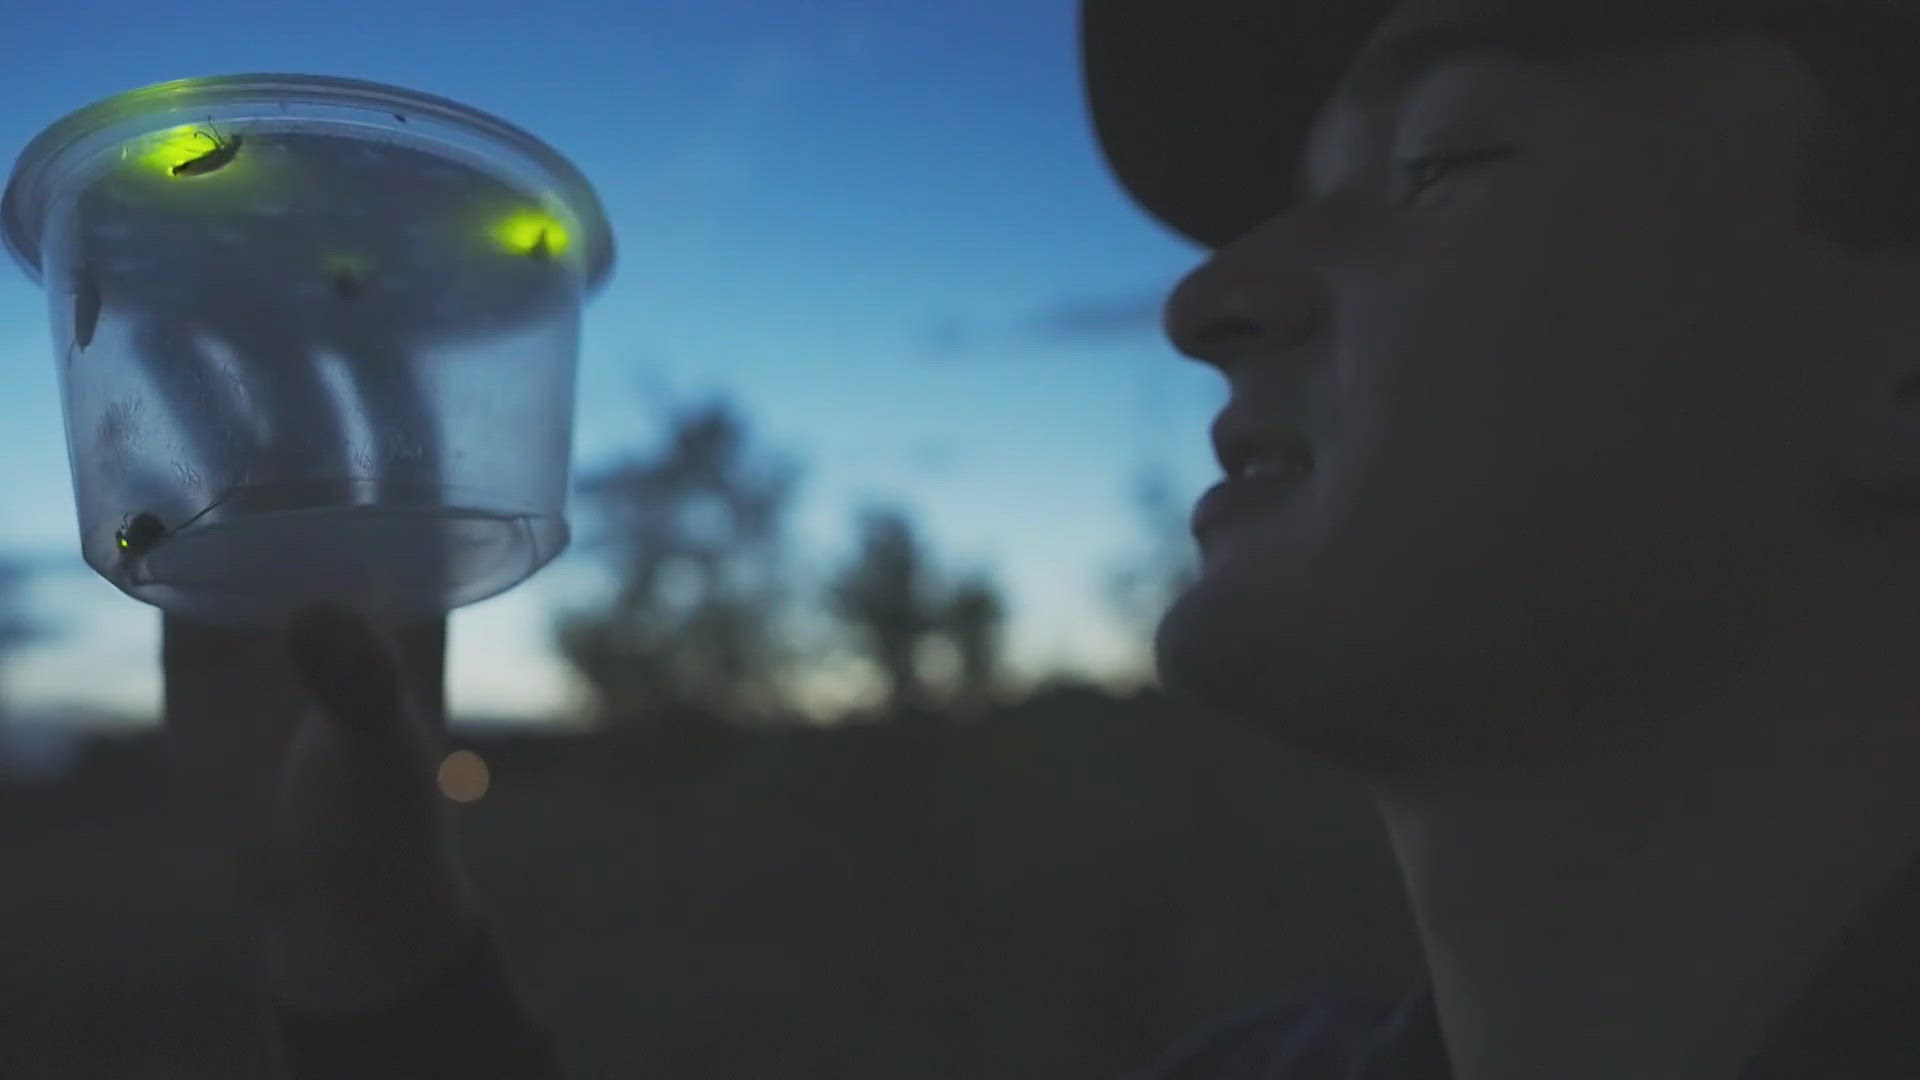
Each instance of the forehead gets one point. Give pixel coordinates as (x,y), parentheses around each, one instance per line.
(1419,36)
(1692,68)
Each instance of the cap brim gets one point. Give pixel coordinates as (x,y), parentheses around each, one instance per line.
(1202,106)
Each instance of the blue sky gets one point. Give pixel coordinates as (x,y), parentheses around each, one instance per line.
(884,230)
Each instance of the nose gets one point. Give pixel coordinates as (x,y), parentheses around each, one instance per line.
(1256,298)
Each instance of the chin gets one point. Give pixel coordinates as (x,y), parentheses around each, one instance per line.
(1236,641)
(1353,696)
(1227,650)
(1203,664)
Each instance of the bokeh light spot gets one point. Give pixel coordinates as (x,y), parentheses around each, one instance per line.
(463,776)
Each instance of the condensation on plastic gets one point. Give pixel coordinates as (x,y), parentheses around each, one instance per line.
(316,339)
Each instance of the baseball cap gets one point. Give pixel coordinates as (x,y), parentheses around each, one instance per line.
(1202,107)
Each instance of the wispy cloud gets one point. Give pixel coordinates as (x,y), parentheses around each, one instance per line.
(1100,318)
(1068,321)
(949,337)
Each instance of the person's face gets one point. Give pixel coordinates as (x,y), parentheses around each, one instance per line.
(1561,404)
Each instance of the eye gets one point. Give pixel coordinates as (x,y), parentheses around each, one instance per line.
(1423,172)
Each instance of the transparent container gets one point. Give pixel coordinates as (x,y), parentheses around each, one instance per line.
(316,338)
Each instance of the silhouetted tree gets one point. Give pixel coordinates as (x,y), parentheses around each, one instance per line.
(886,598)
(975,616)
(891,598)
(692,637)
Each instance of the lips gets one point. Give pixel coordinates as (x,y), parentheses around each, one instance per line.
(1236,498)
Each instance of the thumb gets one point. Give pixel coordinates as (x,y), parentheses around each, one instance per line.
(344,663)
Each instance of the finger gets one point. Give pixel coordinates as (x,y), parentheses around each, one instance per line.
(422,650)
(208,664)
(346,666)
(229,711)
(416,652)
(227,689)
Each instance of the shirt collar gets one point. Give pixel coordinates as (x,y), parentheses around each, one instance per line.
(1858,1018)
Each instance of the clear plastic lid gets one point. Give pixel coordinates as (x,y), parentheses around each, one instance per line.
(68,148)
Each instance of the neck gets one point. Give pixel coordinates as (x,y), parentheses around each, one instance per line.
(1651,915)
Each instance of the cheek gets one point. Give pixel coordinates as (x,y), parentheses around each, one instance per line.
(1502,427)
(1451,387)
(1482,345)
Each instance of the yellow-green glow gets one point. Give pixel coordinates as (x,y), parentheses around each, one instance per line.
(167,150)
(531,232)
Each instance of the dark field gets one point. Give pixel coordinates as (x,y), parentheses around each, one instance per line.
(1054,892)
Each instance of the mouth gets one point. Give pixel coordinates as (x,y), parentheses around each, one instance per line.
(1239,498)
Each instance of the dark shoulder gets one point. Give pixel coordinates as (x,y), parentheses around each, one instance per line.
(1313,1039)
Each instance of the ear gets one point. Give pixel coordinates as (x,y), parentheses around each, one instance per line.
(1877,366)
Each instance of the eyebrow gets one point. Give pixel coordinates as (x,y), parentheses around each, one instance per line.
(1388,68)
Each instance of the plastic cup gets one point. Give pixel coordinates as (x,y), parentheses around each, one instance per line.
(316,340)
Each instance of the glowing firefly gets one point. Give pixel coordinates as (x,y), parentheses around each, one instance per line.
(213,160)
(141,533)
